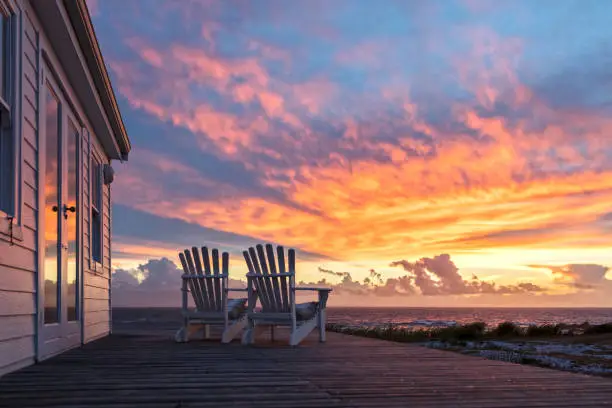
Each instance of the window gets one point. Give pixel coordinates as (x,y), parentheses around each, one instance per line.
(8,145)
(96,210)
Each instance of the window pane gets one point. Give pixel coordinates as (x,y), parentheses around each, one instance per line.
(96,241)
(96,216)
(7,171)
(51,271)
(71,225)
(7,162)
(4,53)
(95,184)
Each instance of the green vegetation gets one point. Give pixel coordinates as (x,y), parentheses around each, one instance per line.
(599,329)
(507,329)
(544,330)
(470,332)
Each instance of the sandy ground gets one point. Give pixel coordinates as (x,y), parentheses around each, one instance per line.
(581,354)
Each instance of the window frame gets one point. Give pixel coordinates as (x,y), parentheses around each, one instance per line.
(10,75)
(96,265)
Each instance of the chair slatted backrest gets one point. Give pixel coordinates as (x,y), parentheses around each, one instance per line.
(271,277)
(207,285)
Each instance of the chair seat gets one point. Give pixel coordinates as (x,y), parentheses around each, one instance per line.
(306,311)
(236,307)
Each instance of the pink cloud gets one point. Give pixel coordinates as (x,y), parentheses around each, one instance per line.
(379,196)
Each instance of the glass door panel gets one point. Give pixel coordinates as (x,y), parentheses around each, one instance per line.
(60,323)
(52,272)
(71,217)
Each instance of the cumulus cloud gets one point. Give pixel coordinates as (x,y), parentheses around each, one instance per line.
(158,282)
(437,276)
(579,276)
(440,276)
(154,283)
(123,279)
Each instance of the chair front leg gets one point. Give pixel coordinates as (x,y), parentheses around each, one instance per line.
(248,335)
(323,295)
(206,331)
(185,330)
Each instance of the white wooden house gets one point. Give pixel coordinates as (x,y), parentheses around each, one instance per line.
(60,127)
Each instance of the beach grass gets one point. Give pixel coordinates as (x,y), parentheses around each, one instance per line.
(470,332)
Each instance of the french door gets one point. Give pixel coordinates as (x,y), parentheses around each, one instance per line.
(60,274)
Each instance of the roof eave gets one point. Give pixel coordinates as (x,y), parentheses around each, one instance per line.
(83,27)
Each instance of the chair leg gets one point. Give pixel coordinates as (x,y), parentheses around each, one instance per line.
(182,335)
(302,331)
(321,324)
(272,333)
(179,336)
(232,330)
(247,336)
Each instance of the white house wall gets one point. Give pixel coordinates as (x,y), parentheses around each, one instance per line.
(96,280)
(19,262)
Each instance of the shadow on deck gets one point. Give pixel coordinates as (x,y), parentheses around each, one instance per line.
(147,369)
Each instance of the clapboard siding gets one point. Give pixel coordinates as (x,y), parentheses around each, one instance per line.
(96,317)
(95,331)
(15,351)
(96,302)
(17,327)
(29,175)
(30,95)
(29,153)
(16,304)
(95,281)
(15,280)
(96,305)
(94,292)
(28,216)
(107,231)
(30,40)
(28,28)
(18,263)
(29,66)
(17,256)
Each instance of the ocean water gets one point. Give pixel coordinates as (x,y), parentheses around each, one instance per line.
(414,318)
(417,318)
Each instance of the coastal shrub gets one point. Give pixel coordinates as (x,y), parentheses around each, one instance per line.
(543,330)
(473,331)
(506,329)
(464,333)
(599,329)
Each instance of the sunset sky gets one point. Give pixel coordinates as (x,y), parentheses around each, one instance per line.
(459,149)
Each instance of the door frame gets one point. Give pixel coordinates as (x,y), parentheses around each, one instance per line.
(65,335)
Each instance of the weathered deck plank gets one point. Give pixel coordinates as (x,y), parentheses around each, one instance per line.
(149,370)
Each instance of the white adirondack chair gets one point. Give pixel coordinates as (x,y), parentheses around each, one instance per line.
(209,290)
(274,285)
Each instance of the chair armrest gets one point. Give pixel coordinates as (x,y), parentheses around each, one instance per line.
(317,289)
(272,275)
(323,295)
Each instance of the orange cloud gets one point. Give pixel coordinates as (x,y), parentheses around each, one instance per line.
(489,183)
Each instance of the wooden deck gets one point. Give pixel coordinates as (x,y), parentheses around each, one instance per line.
(149,370)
